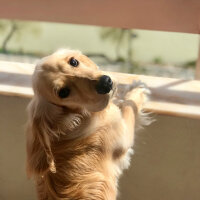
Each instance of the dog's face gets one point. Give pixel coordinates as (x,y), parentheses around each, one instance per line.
(68,78)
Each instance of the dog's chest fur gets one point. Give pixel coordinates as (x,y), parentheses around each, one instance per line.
(105,135)
(117,140)
(94,161)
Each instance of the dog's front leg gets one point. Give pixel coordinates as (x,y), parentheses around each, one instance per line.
(131,107)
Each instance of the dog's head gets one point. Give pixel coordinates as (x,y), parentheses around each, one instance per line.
(69,78)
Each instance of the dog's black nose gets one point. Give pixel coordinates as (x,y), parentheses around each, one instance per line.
(104,85)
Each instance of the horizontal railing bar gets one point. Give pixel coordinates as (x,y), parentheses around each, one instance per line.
(165,15)
(169,96)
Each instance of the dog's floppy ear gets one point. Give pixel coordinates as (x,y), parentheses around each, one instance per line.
(39,155)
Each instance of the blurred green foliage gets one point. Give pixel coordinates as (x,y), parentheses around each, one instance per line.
(190,64)
(158,60)
(15,29)
(120,37)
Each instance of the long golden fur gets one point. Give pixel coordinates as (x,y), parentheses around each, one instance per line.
(78,146)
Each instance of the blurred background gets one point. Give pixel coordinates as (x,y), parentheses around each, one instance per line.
(132,51)
(166,161)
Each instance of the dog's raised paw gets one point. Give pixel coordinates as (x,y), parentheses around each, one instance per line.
(140,84)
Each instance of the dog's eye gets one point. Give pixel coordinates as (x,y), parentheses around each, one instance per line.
(64,92)
(73,62)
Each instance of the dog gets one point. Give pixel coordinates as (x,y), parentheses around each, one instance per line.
(80,129)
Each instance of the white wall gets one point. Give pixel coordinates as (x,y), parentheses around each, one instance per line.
(165,166)
(13,181)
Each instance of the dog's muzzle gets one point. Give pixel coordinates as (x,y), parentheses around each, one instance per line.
(104,85)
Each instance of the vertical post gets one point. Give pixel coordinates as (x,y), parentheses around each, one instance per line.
(197,71)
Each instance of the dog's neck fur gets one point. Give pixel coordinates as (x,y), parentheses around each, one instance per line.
(68,122)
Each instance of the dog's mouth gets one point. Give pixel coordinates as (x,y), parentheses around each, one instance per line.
(93,95)
(105,89)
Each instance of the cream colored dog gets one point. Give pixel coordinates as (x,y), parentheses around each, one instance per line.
(78,139)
